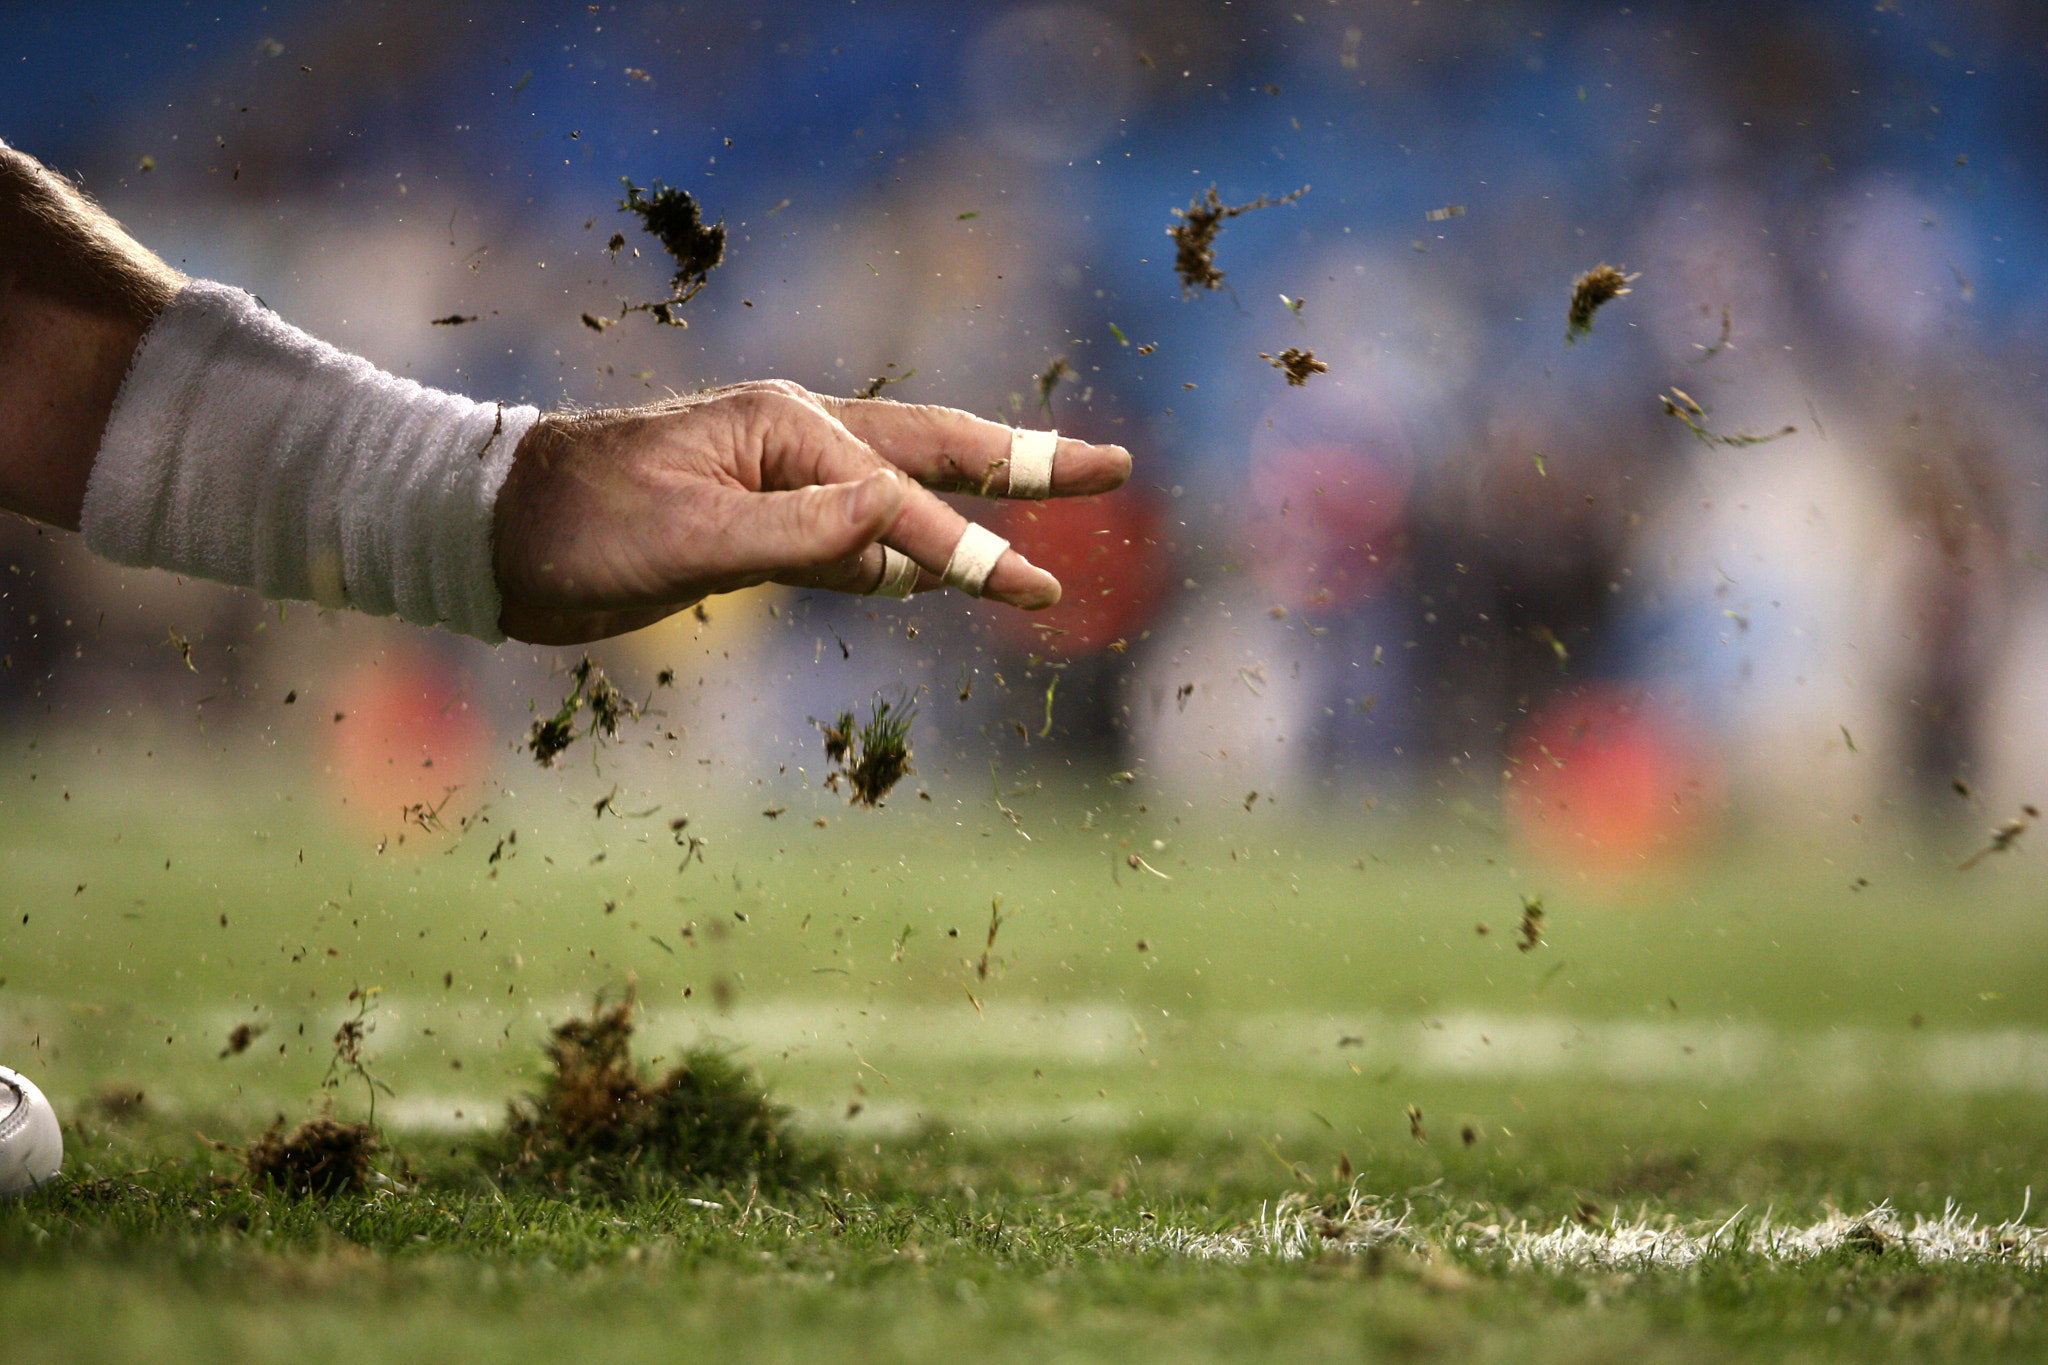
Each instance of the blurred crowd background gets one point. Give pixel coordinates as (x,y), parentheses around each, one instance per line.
(1473,572)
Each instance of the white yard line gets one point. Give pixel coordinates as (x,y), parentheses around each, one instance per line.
(1104,1033)
(414,1033)
(1296,1229)
(1697,1052)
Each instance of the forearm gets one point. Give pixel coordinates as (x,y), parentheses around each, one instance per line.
(76,295)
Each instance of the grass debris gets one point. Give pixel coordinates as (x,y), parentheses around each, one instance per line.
(872,757)
(1681,405)
(2003,838)
(673,218)
(598,1125)
(1532,924)
(1194,237)
(873,388)
(1050,378)
(589,689)
(1296,364)
(321,1157)
(1597,287)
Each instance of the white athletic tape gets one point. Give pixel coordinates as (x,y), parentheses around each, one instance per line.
(899,575)
(1031,456)
(974,557)
(242,450)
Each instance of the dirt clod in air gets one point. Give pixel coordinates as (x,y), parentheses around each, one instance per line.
(673,218)
(1296,364)
(1601,285)
(598,1124)
(240,1037)
(872,757)
(322,1156)
(1532,924)
(1194,237)
(589,690)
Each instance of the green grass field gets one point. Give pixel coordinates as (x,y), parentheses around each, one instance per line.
(1120,1129)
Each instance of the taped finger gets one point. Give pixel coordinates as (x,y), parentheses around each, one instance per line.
(1031,461)
(974,558)
(899,575)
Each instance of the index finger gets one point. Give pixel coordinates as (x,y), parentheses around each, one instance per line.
(957,452)
(801,446)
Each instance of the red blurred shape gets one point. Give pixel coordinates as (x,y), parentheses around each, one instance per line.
(1605,780)
(1106,553)
(406,736)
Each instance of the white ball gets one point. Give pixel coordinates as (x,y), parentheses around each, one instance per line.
(31,1147)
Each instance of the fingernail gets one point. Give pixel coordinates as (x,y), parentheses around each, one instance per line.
(879,495)
(1042,594)
(860,500)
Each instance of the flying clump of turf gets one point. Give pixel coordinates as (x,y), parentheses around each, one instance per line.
(597,1125)
(673,218)
(550,736)
(872,757)
(1591,292)
(1194,236)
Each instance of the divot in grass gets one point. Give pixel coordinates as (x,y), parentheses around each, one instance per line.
(596,1124)
(321,1157)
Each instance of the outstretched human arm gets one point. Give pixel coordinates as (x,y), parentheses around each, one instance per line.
(604,522)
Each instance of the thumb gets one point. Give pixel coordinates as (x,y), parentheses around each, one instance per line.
(807,527)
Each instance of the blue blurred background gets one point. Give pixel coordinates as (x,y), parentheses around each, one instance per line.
(1473,571)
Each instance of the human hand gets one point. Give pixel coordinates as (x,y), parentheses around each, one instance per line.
(610,521)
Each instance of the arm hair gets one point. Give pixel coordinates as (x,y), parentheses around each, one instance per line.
(76,295)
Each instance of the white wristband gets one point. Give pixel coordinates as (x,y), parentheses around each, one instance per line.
(242,450)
